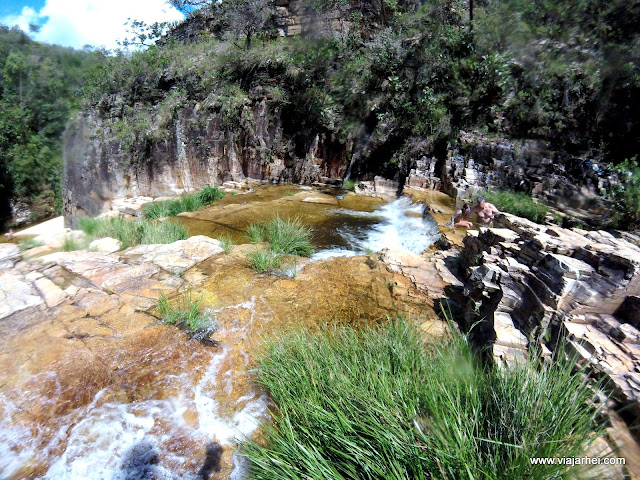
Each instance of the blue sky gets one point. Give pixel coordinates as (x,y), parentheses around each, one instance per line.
(75,23)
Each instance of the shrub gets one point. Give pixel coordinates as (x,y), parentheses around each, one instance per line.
(226,242)
(289,237)
(517,203)
(29,243)
(375,404)
(264,260)
(210,194)
(185,313)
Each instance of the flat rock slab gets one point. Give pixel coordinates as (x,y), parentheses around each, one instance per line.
(16,293)
(175,257)
(50,228)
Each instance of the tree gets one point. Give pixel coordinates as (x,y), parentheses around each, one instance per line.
(248,17)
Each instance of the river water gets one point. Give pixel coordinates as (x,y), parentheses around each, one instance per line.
(171,408)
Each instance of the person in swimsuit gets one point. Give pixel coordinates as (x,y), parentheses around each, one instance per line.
(484,211)
(459,219)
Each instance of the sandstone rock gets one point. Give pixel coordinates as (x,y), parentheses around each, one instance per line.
(178,256)
(105,245)
(9,255)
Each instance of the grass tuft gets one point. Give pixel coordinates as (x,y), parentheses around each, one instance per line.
(289,237)
(131,233)
(264,261)
(517,203)
(185,313)
(30,243)
(256,232)
(375,404)
(226,242)
(186,203)
(70,244)
(349,185)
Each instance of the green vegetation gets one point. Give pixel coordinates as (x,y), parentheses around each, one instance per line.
(30,243)
(285,237)
(40,85)
(626,196)
(517,203)
(130,233)
(349,185)
(289,236)
(185,313)
(71,244)
(226,242)
(264,261)
(186,203)
(256,233)
(375,404)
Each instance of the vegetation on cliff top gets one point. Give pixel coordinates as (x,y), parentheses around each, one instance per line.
(376,404)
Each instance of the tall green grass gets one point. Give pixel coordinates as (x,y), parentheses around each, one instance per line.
(264,261)
(375,404)
(517,203)
(30,243)
(288,236)
(186,203)
(130,233)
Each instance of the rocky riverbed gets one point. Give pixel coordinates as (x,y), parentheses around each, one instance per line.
(94,385)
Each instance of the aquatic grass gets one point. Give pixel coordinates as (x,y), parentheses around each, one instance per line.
(288,236)
(133,232)
(264,261)
(375,404)
(517,203)
(255,232)
(186,203)
(29,244)
(185,313)
(226,242)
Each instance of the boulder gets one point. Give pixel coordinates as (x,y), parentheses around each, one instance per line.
(105,245)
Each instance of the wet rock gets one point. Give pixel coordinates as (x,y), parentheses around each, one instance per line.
(9,255)
(105,245)
(178,256)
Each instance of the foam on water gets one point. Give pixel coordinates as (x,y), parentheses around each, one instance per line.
(126,440)
(396,225)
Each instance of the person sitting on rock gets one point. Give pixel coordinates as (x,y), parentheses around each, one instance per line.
(9,235)
(484,211)
(459,219)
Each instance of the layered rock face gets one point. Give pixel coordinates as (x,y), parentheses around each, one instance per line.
(196,152)
(526,284)
(568,183)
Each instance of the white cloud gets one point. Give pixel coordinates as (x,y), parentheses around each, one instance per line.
(76,23)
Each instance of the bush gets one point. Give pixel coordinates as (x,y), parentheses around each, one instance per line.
(519,204)
(288,236)
(185,313)
(375,404)
(264,261)
(131,233)
(349,185)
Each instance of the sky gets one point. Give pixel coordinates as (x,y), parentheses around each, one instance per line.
(76,23)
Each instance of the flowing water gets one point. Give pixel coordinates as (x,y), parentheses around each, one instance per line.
(134,399)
